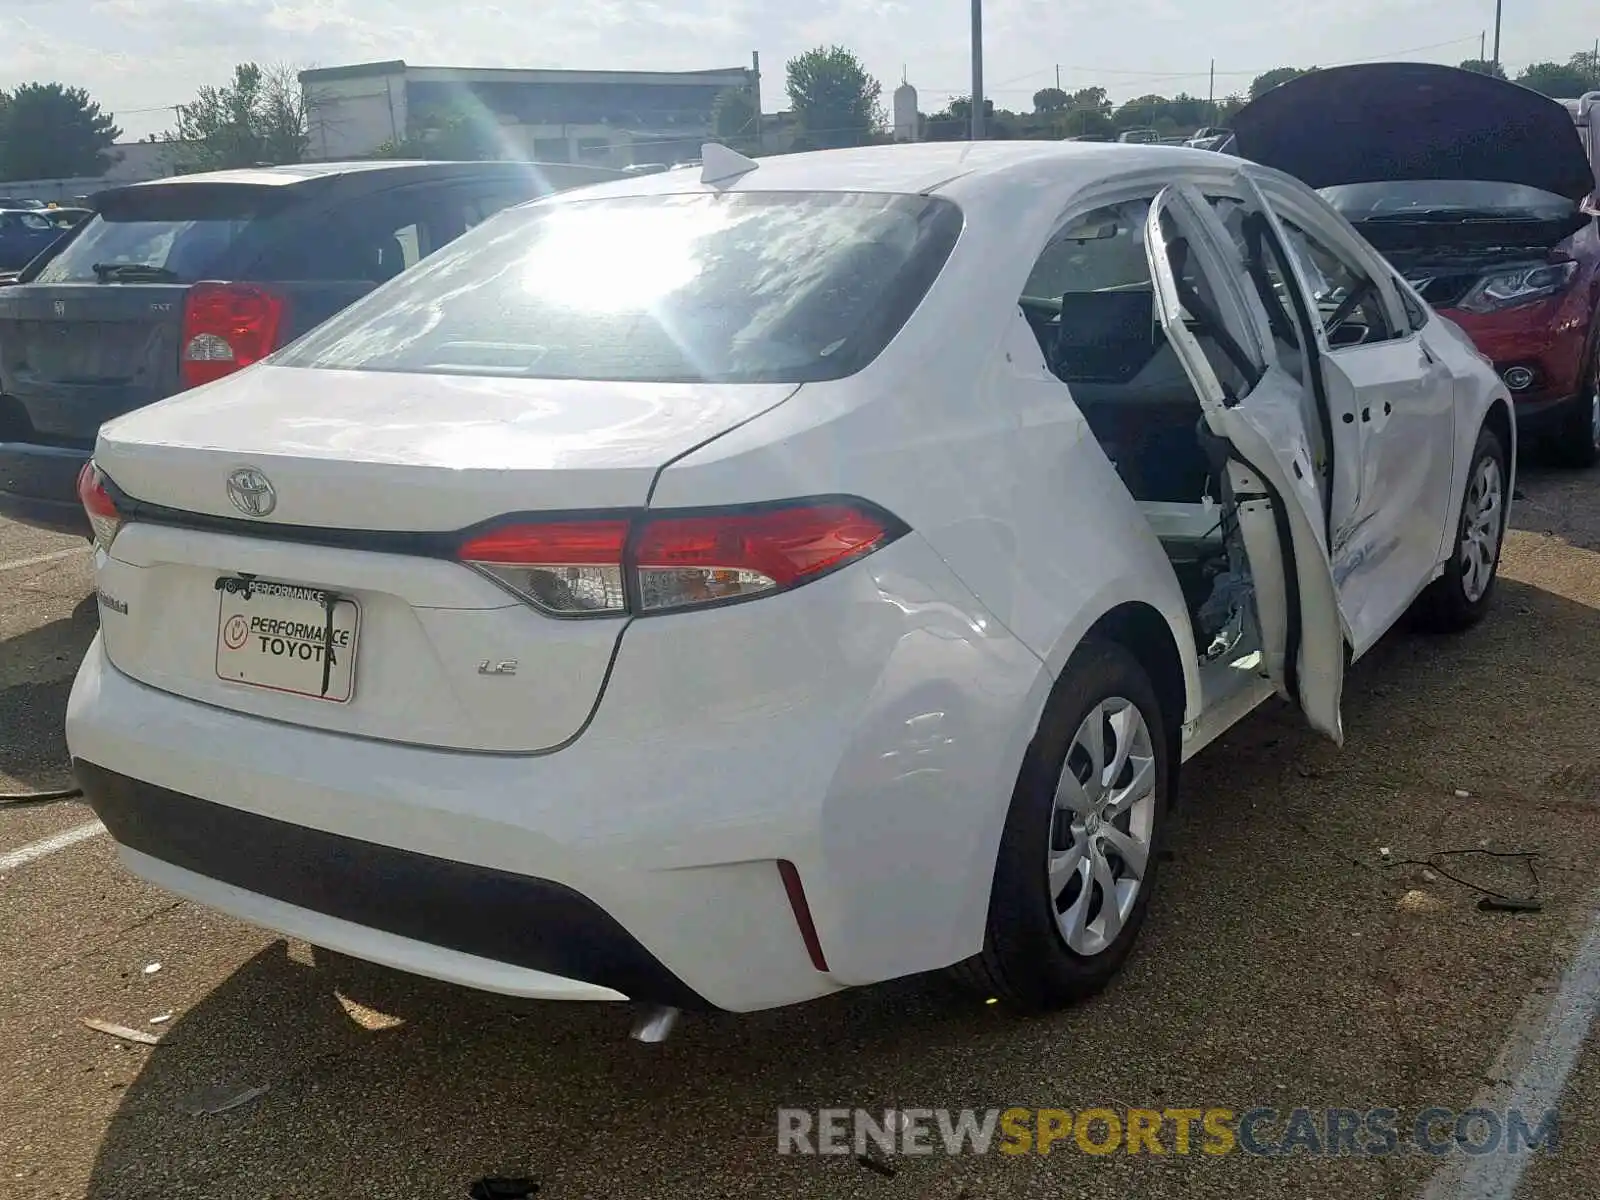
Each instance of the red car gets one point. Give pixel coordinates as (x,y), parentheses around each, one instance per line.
(1482,194)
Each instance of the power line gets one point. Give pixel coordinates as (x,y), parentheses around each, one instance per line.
(1159,76)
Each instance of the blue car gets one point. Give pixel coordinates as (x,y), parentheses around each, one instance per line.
(24,234)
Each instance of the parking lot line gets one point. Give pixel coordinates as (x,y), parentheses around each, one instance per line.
(1542,1049)
(41,559)
(45,847)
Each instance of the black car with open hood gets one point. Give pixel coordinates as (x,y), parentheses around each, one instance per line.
(1481,193)
(1490,165)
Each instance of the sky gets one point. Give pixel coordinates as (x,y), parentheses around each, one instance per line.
(139,58)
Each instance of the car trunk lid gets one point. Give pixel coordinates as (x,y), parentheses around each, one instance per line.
(382,451)
(76,355)
(372,478)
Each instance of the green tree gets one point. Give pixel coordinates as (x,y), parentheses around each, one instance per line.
(1268,80)
(1482,66)
(1088,114)
(257,119)
(733,118)
(1227,109)
(1142,111)
(457,134)
(49,131)
(833,98)
(1050,100)
(1562,80)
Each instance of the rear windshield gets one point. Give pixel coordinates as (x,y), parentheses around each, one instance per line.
(179,232)
(744,288)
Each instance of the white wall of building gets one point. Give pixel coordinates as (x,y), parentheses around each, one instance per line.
(353,111)
(349,117)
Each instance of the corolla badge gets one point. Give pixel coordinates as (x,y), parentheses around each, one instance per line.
(252,492)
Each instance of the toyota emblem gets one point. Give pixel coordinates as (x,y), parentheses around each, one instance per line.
(252,492)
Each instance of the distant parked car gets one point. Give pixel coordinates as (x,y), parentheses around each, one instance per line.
(1139,137)
(20,202)
(1210,137)
(1482,193)
(177,282)
(24,235)
(64,217)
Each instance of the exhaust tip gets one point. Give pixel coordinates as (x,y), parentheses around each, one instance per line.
(656,1025)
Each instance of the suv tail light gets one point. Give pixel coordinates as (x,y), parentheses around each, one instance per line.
(103,516)
(227,326)
(664,562)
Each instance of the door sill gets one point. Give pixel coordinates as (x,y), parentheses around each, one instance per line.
(1227,712)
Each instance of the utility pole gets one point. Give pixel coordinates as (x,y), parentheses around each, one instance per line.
(1481,49)
(1058,77)
(1211,92)
(1498,4)
(977,70)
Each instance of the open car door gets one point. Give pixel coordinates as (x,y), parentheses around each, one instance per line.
(1259,410)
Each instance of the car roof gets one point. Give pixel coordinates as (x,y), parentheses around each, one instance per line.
(963,170)
(359,175)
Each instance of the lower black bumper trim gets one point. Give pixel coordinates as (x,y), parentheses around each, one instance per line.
(494,914)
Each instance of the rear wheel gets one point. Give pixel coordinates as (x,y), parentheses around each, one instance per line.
(1078,858)
(1577,441)
(1459,598)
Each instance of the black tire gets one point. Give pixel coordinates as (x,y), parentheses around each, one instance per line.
(1444,606)
(1576,442)
(1025,962)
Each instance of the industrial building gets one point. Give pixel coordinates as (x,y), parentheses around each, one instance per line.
(611,118)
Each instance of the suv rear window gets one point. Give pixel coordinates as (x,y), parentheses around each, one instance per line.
(744,288)
(179,232)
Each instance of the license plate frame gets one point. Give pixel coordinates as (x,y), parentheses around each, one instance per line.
(272,635)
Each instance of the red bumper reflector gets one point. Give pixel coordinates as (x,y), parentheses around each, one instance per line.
(802,913)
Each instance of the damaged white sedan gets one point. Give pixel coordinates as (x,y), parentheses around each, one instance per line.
(727,586)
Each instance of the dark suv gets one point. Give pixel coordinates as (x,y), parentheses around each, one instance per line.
(176,282)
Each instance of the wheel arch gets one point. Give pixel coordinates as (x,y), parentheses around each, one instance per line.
(1499,419)
(1141,630)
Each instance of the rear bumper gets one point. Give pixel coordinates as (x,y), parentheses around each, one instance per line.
(531,925)
(39,487)
(867,728)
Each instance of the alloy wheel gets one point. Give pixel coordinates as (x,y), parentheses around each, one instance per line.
(1480,528)
(1103,823)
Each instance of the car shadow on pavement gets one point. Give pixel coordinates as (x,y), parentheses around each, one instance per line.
(38,667)
(1285,962)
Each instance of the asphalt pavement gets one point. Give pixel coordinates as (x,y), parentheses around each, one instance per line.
(1307,949)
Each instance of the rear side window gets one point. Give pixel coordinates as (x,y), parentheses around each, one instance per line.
(743,288)
(174,234)
(25,221)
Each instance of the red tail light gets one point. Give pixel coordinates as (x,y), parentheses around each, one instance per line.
(103,516)
(227,326)
(668,561)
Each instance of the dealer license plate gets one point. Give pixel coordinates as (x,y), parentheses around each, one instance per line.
(287,638)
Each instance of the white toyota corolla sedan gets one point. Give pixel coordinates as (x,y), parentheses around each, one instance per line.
(735,584)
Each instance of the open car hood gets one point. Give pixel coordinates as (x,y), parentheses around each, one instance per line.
(1404,121)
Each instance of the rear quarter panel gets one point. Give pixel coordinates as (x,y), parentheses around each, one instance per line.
(960,430)
(1477,390)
